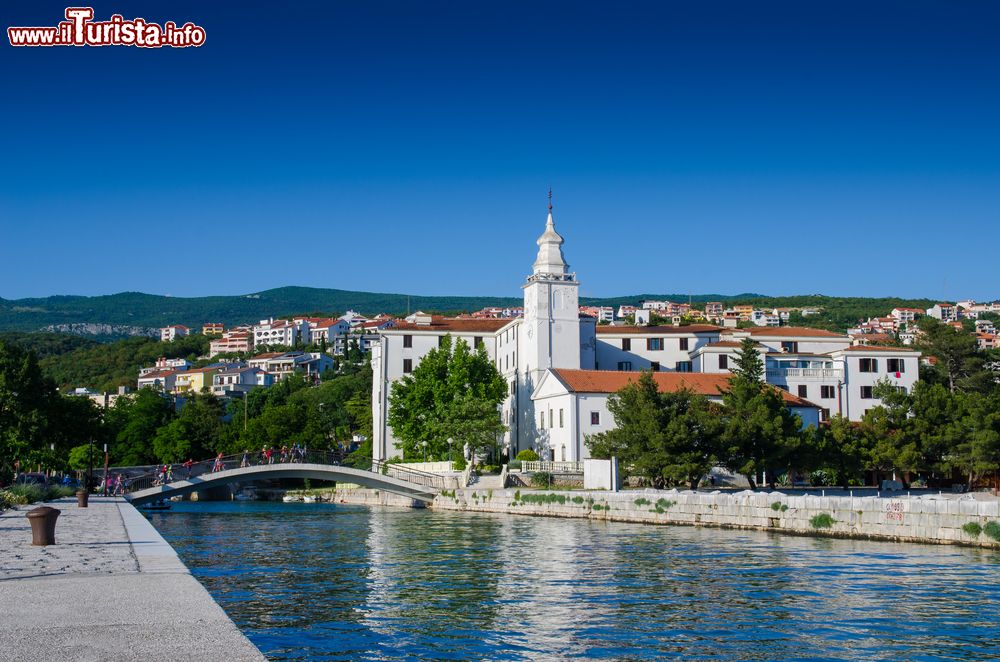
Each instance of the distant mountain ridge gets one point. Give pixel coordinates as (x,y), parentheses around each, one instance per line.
(136,313)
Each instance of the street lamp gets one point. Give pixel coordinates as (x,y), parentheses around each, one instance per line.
(424,444)
(450,442)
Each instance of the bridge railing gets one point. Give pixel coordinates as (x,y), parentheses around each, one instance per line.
(410,475)
(178,471)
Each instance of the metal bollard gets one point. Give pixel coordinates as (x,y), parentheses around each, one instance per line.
(43,525)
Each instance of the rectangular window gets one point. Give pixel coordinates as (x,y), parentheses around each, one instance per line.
(407,366)
(790,347)
(827,392)
(803,391)
(866,392)
(595,418)
(560,418)
(684,344)
(683,366)
(627,344)
(624,366)
(513,388)
(541,419)
(440,341)
(477,342)
(895,365)
(550,419)
(869,365)
(654,344)
(824,415)
(407,341)
(654,366)
(723,362)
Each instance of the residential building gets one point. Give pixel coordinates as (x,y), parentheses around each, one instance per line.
(195,380)
(945,312)
(163,363)
(280,333)
(173,331)
(283,364)
(234,341)
(160,380)
(906,316)
(714,310)
(239,381)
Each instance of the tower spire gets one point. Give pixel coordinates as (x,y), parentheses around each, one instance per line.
(550,258)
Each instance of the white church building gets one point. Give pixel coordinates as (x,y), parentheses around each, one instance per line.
(561,367)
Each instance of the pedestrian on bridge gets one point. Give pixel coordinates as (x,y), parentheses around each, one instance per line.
(188,465)
(170,473)
(245,462)
(219,465)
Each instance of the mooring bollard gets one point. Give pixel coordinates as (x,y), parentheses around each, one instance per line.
(43,525)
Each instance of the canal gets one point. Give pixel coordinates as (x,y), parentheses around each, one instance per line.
(335,582)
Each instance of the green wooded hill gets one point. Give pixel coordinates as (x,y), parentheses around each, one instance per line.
(133,313)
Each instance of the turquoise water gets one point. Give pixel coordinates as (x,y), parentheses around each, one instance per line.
(334,582)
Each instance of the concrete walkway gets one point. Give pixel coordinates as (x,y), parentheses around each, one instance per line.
(110,589)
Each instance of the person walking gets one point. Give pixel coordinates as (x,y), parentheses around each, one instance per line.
(219,465)
(188,465)
(170,473)
(245,462)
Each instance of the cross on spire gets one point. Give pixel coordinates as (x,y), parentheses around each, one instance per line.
(550,198)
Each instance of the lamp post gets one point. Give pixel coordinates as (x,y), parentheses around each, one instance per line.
(424,444)
(90,469)
(450,442)
(105,470)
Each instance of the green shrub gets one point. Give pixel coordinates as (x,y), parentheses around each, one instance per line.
(972,529)
(544,498)
(821,521)
(992,529)
(641,501)
(448,493)
(459,464)
(578,499)
(517,495)
(541,479)
(514,465)
(776,506)
(598,506)
(490,469)
(527,455)
(663,503)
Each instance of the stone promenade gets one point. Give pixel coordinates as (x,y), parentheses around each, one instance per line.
(110,589)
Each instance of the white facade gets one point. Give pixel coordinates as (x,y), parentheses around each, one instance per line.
(169,333)
(285,333)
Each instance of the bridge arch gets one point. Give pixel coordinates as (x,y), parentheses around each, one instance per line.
(338,473)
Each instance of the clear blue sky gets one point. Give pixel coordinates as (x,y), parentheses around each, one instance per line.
(845,148)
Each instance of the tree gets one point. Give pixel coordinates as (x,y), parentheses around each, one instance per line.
(960,364)
(453,393)
(760,430)
(670,438)
(843,447)
(134,422)
(978,449)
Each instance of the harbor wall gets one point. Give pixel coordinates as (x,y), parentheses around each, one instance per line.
(941,520)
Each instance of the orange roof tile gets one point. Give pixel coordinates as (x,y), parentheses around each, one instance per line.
(702,383)
(454,324)
(657,330)
(786,331)
(878,348)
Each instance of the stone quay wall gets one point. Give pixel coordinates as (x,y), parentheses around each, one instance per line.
(925,519)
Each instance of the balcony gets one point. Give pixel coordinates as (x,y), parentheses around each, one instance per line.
(824,374)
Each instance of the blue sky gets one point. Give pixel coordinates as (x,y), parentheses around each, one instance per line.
(844,148)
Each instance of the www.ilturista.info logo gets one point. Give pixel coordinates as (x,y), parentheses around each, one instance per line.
(79,29)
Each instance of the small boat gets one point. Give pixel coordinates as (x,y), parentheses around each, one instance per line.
(246,494)
(309,499)
(289,498)
(159,504)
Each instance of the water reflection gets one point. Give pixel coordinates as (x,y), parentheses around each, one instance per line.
(318,581)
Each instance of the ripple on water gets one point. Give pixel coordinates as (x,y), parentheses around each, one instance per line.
(334,582)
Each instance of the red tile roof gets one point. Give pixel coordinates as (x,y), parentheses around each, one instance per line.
(702,383)
(788,331)
(723,343)
(473,325)
(879,348)
(657,330)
